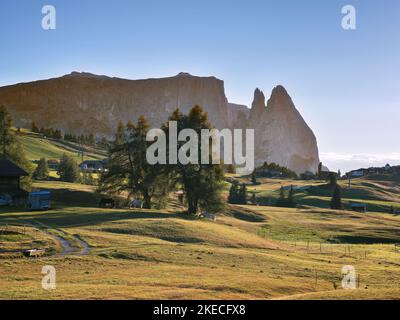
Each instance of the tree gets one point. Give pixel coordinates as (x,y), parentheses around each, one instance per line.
(35,128)
(68,169)
(10,147)
(320,170)
(332,179)
(120,135)
(42,170)
(254,177)
(233,197)
(7,138)
(336,202)
(129,170)
(57,134)
(243,194)
(202,183)
(91,139)
(282,198)
(104,143)
(88,179)
(290,199)
(253,198)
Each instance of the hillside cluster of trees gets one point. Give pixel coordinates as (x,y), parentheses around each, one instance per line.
(88,139)
(237,193)
(266,169)
(129,171)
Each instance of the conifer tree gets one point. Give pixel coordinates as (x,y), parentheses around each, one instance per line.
(68,169)
(10,148)
(42,170)
(336,201)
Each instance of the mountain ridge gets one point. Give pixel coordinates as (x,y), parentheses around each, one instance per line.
(82,102)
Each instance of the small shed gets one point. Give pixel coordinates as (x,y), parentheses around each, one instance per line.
(10,182)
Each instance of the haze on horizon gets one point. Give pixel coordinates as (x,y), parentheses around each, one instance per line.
(344,83)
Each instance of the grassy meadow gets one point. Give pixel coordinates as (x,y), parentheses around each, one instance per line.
(249,252)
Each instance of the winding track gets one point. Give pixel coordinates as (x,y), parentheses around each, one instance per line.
(69,248)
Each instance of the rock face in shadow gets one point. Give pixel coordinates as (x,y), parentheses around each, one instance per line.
(82,103)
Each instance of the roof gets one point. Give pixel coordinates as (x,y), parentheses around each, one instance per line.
(14,192)
(92,162)
(356,205)
(9,169)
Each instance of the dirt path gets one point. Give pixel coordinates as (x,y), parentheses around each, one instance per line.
(68,246)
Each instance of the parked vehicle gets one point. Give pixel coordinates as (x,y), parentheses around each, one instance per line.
(39,200)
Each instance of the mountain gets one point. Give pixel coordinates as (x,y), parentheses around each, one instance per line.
(281,134)
(84,102)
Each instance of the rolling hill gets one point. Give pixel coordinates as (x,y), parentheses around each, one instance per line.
(249,252)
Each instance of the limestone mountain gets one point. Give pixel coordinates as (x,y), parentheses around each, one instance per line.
(281,134)
(83,103)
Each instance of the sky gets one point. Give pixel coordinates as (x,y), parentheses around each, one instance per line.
(345,83)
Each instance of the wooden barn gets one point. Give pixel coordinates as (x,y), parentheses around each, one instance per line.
(10,183)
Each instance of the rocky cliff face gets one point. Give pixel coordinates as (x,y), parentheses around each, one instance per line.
(281,134)
(83,103)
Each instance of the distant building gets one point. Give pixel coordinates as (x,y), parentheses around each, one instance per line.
(358,207)
(387,167)
(10,183)
(357,173)
(93,166)
(308,175)
(53,164)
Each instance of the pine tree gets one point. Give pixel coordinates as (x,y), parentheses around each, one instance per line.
(233,197)
(253,199)
(290,200)
(120,135)
(129,170)
(254,177)
(332,179)
(243,194)
(202,183)
(104,143)
(282,198)
(57,134)
(10,147)
(320,170)
(42,170)
(91,139)
(35,129)
(7,138)
(68,169)
(336,202)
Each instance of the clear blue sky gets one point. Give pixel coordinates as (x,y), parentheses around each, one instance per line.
(345,83)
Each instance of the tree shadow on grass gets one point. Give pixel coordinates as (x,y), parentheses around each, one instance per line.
(81,217)
(75,197)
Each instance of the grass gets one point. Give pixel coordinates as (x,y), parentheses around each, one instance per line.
(379,196)
(250,252)
(36,146)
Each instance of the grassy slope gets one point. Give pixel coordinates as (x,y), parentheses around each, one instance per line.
(36,147)
(378,195)
(249,253)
